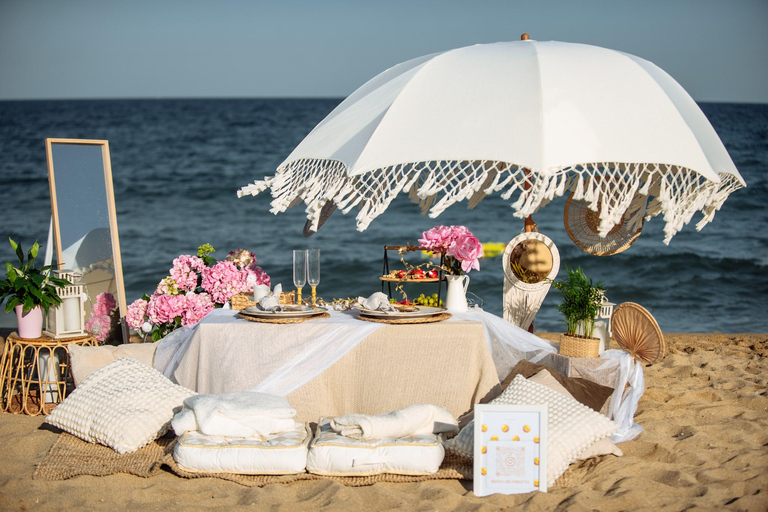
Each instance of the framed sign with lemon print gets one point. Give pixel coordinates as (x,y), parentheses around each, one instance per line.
(510,449)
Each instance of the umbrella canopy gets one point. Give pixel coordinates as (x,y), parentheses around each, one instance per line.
(538,118)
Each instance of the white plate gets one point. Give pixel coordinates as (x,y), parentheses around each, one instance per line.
(288,312)
(421,311)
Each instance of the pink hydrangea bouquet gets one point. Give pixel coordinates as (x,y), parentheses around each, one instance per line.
(104,320)
(461,248)
(196,285)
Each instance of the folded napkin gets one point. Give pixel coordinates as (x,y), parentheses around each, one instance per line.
(242,414)
(272,302)
(415,419)
(377,302)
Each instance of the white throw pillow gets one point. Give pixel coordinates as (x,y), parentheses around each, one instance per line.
(86,360)
(602,447)
(124,405)
(571,426)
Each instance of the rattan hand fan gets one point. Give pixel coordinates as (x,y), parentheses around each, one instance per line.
(637,332)
(581,225)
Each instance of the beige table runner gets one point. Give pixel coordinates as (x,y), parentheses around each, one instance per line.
(446,364)
(360,366)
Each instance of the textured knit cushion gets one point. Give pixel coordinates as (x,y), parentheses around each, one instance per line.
(588,393)
(571,427)
(602,447)
(86,360)
(124,405)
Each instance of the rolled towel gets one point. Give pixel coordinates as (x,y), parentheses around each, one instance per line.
(376,302)
(243,414)
(413,420)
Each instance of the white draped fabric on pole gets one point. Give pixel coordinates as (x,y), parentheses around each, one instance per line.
(539,119)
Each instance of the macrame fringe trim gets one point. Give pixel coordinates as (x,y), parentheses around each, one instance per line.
(645,190)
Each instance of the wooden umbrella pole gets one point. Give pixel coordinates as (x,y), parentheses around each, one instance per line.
(530,225)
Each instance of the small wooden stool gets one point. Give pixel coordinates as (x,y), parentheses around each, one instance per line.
(34,373)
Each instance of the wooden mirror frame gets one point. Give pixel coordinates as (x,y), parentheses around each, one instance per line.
(110,198)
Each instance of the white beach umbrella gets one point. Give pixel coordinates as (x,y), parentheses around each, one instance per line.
(535,118)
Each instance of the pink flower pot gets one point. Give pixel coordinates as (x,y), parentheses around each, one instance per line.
(30,323)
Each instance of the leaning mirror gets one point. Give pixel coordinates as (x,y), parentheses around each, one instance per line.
(85,230)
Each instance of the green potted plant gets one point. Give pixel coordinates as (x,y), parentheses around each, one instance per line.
(29,291)
(581,302)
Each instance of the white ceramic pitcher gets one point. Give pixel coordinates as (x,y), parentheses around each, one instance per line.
(456,297)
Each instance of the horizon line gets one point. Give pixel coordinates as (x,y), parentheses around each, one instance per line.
(240,98)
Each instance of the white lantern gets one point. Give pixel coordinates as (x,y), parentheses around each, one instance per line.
(606,312)
(68,319)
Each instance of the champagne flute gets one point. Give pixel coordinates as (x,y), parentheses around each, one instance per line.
(299,272)
(313,271)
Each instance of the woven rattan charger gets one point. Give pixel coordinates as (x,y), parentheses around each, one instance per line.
(420,320)
(282,320)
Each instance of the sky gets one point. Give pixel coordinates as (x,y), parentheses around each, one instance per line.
(67,49)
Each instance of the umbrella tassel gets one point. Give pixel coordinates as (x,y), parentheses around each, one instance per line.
(578,192)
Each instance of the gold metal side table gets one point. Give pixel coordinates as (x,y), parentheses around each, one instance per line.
(35,373)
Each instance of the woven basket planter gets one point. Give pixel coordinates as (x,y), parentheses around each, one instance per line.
(575,346)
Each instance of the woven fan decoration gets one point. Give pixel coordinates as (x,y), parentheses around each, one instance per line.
(581,224)
(637,332)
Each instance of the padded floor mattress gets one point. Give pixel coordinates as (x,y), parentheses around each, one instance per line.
(278,454)
(333,454)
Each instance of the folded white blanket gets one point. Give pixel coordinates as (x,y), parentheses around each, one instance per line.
(244,414)
(413,420)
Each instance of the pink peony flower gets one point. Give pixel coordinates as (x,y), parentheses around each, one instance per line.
(105,303)
(223,280)
(99,326)
(164,308)
(254,276)
(468,250)
(458,244)
(185,272)
(440,238)
(436,239)
(197,306)
(136,314)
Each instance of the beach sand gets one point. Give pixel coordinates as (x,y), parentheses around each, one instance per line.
(705,447)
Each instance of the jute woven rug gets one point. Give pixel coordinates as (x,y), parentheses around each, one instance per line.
(70,457)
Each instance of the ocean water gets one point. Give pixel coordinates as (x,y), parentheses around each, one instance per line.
(177,165)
